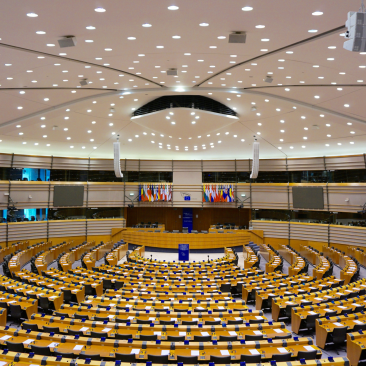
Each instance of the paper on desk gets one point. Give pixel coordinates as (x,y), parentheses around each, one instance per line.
(257,332)
(342,307)
(53,344)
(205,333)
(254,352)
(195,353)
(84,329)
(4,363)
(131,317)
(338,324)
(157,333)
(110,316)
(238,318)
(106,329)
(165,352)
(152,318)
(87,301)
(135,351)
(309,348)
(258,317)
(182,333)
(232,333)
(225,352)
(282,350)
(312,312)
(278,330)
(4,338)
(357,322)
(28,341)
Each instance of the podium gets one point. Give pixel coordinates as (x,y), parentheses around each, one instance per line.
(183,252)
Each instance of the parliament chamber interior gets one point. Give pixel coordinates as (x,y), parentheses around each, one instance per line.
(182,182)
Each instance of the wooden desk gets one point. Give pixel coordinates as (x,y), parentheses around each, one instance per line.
(55,297)
(279,305)
(273,260)
(250,259)
(299,315)
(108,347)
(252,283)
(264,292)
(37,360)
(324,327)
(110,329)
(116,255)
(78,291)
(356,344)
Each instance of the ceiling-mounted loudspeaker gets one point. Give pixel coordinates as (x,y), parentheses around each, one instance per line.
(117,165)
(356,33)
(68,41)
(237,37)
(255,166)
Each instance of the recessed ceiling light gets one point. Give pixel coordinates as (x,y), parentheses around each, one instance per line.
(108,49)
(22,92)
(327,145)
(290,52)
(32,15)
(332,47)
(351,142)
(173,7)
(204,24)
(89,41)
(176,37)
(339,143)
(349,123)
(146,25)
(19,107)
(131,38)
(41,32)
(221,37)
(316,96)
(303,117)
(110,124)
(265,39)
(50,45)
(43,126)
(260,26)
(329,135)
(90,27)
(46,99)
(187,54)
(99,10)
(247,8)
(346,105)
(159,46)
(327,124)
(330,59)
(317,13)
(312,30)
(40,56)
(352,132)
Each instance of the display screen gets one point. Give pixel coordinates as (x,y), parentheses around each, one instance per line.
(308,197)
(64,196)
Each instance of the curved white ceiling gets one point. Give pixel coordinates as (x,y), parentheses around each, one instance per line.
(316,86)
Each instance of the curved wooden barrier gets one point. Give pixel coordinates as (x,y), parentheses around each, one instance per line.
(195,241)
